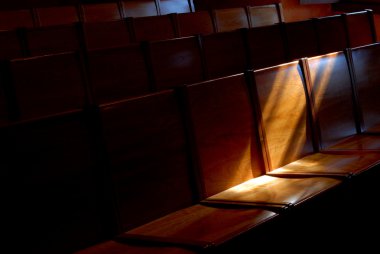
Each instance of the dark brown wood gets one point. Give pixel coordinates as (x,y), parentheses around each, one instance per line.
(47,85)
(102,35)
(52,16)
(365,61)
(53,39)
(194,23)
(147,152)
(117,73)
(153,28)
(175,62)
(221,120)
(230,19)
(266,46)
(225,53)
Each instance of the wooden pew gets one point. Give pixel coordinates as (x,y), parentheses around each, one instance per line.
(153,28)
(174,6)
(230,19)
(175,62)
(99,12)
(56,15)
(365,65)
(332,100)
(264,15)
(12,19)
(119,248)
(117,73)
(110,34)
(360,28)
(53,39)
(46,85)
(301,39)
(331,34)
(266,46)
(194,23)
(286,129)
(147,157)
(224,53)
(139,8)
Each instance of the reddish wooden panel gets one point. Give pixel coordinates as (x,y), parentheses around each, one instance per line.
(147,151)
(153,28)
(225,53)
(110,34)
(139,8)
(60,15)
(176,62)
(117,73)
(194,23)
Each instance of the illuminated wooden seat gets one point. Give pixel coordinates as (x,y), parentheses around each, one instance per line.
(203,227)
(225,53)
(117,73)
(365,63)
(287,137)
(175,62)
(227,153)
(332,100)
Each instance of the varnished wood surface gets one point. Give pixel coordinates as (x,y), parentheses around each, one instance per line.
(113,247)
(273,191)
(264,15)
(98,35)
(52,16)
(205,224)
(48,85)
(153,28)
(299,34)
(225,54)
(53,39)
(194,23)
(223,130)
(269,51)
(332,98)
(176,62)
(360,30)
(147,152)
(366,63)
(329,164)
(283,110)
(230,19)
(100,12)
(117,73)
